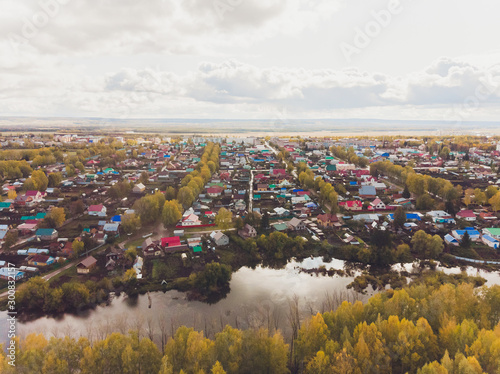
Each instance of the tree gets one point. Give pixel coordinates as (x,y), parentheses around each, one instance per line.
(56,217)
(10,239)
(40,180)
(77,207)
(185,196)
(495,202)
(55,179)
(170,193)
(224,219)
(12,194)
(479,197)
(130,223)
(213,278)
(78,246)
(264,223)
(468,196)
(426,244)
(217,368)
(406,192)
(144,178)
(172,212)
(312,337)
(399,217)
(491,191)
(466,241)
(425,202)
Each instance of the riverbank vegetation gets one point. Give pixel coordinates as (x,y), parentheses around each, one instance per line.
(428,327)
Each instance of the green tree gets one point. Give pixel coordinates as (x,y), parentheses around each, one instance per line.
(78,247)
(399,217)
(130,223)
(466,241)
(56,217)
(172,212)
(170,193)
(426,244)
(55,179)
(185,196)
(10,239)
(224,219)
(425,202)
(495,202)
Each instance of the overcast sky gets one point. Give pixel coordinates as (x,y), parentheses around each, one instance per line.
(251,59)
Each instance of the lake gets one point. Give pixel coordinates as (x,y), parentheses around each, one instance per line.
(260,297)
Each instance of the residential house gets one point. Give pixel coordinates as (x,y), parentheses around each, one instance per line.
(86,265)
(36,196)
(494,232)
(214,191)
(367,192)
(219,238)
(467,215)
(353,205)
(378,204)
(296,224)
(40,260)
(490,242)
(46,234)
(247,232)
(97,210)
(139,188)
(262,187)
(111,228)
(11,273)
(328,220)
(151,247)
(473,234)
(191,220)
(440,216)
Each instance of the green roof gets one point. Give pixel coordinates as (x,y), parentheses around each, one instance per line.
(45,231)
(494,231)
(280,226)
(197,249)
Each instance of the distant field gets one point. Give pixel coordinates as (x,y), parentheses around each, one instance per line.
(239,127)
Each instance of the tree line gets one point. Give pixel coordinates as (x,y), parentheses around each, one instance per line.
(425,328)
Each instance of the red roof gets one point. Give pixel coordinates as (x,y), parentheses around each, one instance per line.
(215,189)
(173,241)
(354,203)
(96,208)
(32,193)
(466,213)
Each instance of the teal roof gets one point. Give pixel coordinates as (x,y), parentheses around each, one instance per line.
(45,231)
(280,226)
(197,249)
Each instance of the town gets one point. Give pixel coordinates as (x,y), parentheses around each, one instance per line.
(84,217)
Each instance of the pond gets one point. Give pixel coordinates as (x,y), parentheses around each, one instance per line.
(260,297)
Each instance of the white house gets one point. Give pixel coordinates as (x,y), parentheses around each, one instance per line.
(97,210)
(219,238)
(490,242)
(191,220)
(378,204)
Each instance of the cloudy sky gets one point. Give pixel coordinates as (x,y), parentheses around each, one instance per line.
(250,59)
